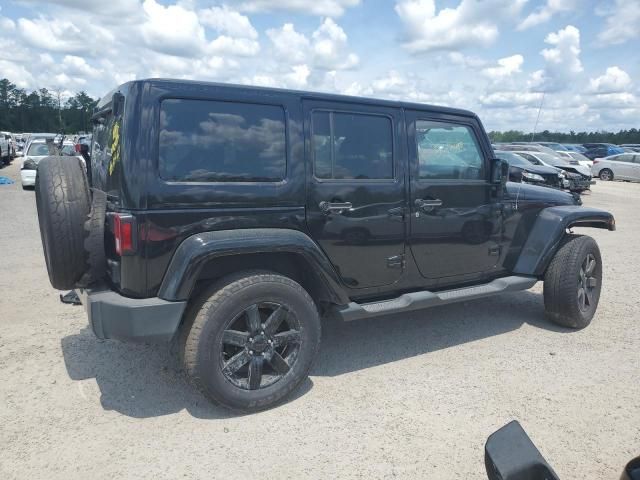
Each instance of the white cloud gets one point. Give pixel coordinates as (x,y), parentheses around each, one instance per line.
(6,24)
(173,30)
(614,80)
(17,74)
(466,61)
(506,66)
(622,24)
(288,43)
(327,8)
(471,23)
(228,22)
(243,47)
(298,76)
(121,9)
(510,99)
(329,47)
(61,35)
(544,13)
(614,101)
(562,62)
(78,66)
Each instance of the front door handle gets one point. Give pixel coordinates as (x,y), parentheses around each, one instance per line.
(335,207)
(428,204)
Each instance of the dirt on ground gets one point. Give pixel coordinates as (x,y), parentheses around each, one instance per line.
(405,396)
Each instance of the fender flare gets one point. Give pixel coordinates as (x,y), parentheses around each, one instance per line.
(199,249)
(548,231)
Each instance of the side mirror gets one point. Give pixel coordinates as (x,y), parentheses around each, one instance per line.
(499,171)
(632,470)
(117,104)
(509,454)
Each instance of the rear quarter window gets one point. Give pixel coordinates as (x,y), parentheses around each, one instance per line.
(214,141)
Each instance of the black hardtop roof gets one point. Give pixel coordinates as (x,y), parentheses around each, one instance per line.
(189,84)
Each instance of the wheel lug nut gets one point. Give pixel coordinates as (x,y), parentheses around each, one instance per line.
(262,332)
(250,352)
(270,342)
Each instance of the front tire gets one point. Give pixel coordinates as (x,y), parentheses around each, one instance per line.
(606,175)
(573,282)
(250,340)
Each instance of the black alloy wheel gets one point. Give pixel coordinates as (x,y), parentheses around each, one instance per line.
(587,283)
(260,346)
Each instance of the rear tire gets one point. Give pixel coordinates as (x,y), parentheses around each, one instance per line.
(606,175)
(233,346)
(573,282)
(62,198)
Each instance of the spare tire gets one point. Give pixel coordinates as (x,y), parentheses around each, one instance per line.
(63,201)
(94,240)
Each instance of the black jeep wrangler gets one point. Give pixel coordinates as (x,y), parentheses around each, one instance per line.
(231,218)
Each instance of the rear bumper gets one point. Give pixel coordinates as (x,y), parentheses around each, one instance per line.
(28,177)
(130,319)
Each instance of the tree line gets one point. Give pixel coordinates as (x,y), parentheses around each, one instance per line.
(623,136)
(43,110)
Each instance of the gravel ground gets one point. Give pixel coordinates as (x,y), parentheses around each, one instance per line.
(406,396)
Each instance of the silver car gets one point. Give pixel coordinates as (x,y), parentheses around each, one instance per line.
(623,166)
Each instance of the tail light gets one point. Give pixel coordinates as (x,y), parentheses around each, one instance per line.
(77,147)
(124,232)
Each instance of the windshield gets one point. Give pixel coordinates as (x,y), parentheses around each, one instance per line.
(38,150)
(68,149)
(550,159)
(513,159)
(578,156)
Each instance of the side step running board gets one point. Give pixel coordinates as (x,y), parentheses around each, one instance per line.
(424,299)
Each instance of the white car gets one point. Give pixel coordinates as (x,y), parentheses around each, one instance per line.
(623,166)
(36,151)
(575,158)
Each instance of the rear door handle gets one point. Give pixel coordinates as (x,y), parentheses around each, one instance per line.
(428,204)
(335,207)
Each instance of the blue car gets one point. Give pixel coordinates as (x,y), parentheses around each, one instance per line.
(600,150)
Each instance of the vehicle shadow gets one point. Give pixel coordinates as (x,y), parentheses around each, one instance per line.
(139,380)
(146,380)
(351,346)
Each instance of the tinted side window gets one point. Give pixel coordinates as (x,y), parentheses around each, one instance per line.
(623,158)
(209,141)
(352,146)
(448,151)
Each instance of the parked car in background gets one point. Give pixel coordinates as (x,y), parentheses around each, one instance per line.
(600,150)
(574,147)
(633,145)
(555,146)
(527,147)
(20,142)
(575,158)
(6,148)
(631,149)
(624,166)
(522,170)
(36,151)
(579,177)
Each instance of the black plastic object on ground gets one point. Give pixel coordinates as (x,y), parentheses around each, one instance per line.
(509,454)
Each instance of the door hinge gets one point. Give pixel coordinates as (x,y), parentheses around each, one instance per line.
(397,261)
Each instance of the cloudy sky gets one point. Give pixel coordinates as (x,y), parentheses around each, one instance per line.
(495,57)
